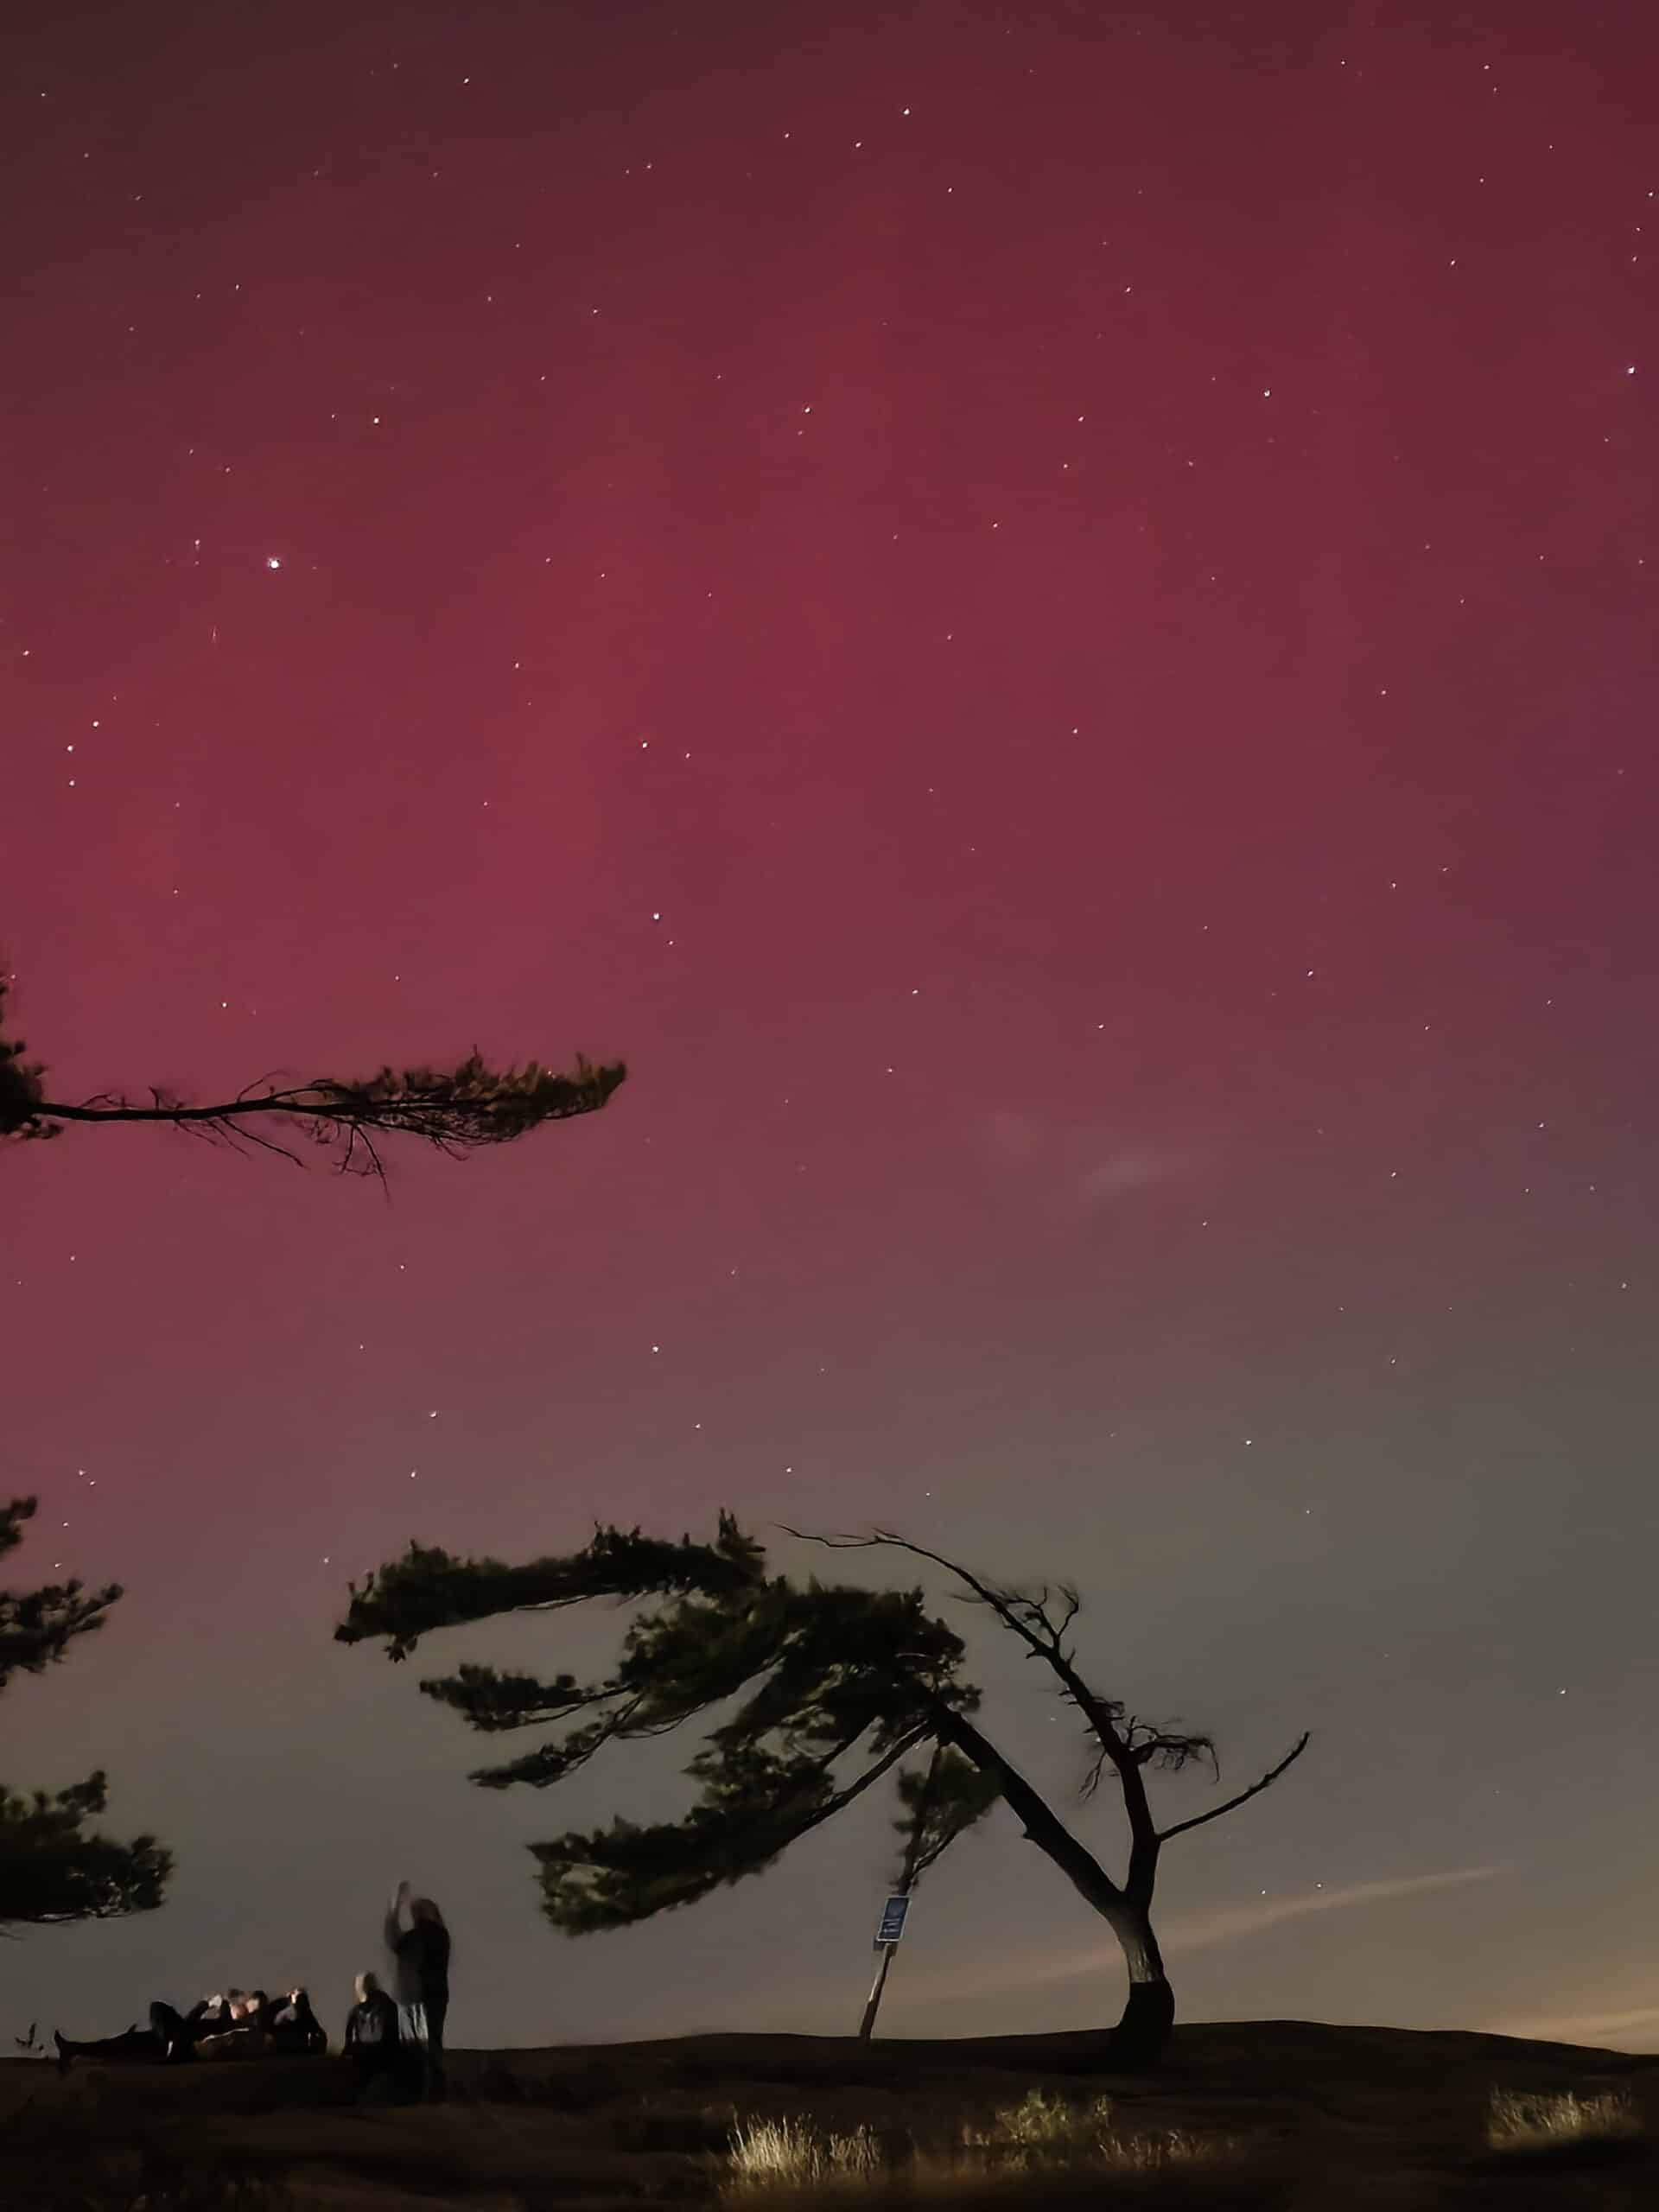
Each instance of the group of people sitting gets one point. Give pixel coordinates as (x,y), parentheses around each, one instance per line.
(396,2044)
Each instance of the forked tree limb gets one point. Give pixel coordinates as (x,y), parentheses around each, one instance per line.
(1244,1796)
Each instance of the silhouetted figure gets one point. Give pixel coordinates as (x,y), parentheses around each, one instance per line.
(421,1954)
(133,2042)
(243,2035)
(171,2035)
(372,2042)
(178,2033)
(292,2027)
(231,2023)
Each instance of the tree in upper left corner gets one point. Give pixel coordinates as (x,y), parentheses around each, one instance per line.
(456,1109)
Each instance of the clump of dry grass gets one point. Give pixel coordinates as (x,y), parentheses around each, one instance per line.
(1044,2137)
(1045,2130)
(1519,2122)
(783,2155)
(1041,2125)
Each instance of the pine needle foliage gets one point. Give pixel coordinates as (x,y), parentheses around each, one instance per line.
(456,1110)
(826,1687)
(53,1867)
(822,1676)
(938,1802)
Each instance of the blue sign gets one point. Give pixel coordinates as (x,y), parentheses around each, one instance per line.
(892,1921)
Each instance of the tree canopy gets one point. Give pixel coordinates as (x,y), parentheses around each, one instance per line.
(53,1867)
(456,1109)
(825,1668)
(827,1687)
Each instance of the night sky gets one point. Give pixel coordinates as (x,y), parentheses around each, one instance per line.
(1045,617)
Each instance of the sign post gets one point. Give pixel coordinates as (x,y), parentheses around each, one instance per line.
(893,1919)
(891,1925)
(887,1934)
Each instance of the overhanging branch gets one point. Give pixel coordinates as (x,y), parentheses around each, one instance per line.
(1044,1644)
(1244,1796)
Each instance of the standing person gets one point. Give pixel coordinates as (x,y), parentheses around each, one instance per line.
(421,1952)
(370,2039)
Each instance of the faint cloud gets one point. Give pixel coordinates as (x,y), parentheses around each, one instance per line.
(1183,1934)
(1074,1169)
(1226,1923)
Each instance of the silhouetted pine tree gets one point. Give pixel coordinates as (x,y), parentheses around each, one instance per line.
(829,1674)
(51,1868)
(456,1109)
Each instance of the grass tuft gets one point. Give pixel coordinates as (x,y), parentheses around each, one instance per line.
(1045,2140)
(1045,2130)
(1522,2122)
(789,2154)
(1042,2124)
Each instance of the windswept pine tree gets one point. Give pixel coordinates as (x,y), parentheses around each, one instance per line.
(53,1867)
(839,1686)
(456,1109)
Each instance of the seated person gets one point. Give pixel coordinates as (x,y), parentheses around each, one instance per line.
(292,2026)
(243,2035)
(371,2038)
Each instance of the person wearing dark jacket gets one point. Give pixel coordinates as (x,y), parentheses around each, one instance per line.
(172,2035)
(132,2042)
(420,1953)
(372,2041)
(243,2035)
(292,2026)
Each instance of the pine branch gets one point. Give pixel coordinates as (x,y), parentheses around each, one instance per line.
(53,1871)
(553,1762)
(427,1590)
(942,1802)
(1028,1619)
(456,1110)
(38,1626)
(491,1702)
(612,1878)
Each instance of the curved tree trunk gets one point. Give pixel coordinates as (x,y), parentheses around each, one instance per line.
(1138,2039)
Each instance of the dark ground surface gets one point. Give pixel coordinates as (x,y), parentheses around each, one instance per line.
(1357,2119)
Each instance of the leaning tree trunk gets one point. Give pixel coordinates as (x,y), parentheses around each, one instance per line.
(1138,2040)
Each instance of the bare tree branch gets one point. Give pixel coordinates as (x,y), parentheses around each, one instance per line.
(1255,1790)
(1017,1614)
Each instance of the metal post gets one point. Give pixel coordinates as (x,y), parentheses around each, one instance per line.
(867,2025)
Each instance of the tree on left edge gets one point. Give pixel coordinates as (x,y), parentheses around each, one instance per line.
(53,1868)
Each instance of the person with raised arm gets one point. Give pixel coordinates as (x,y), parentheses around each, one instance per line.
(420,1950)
